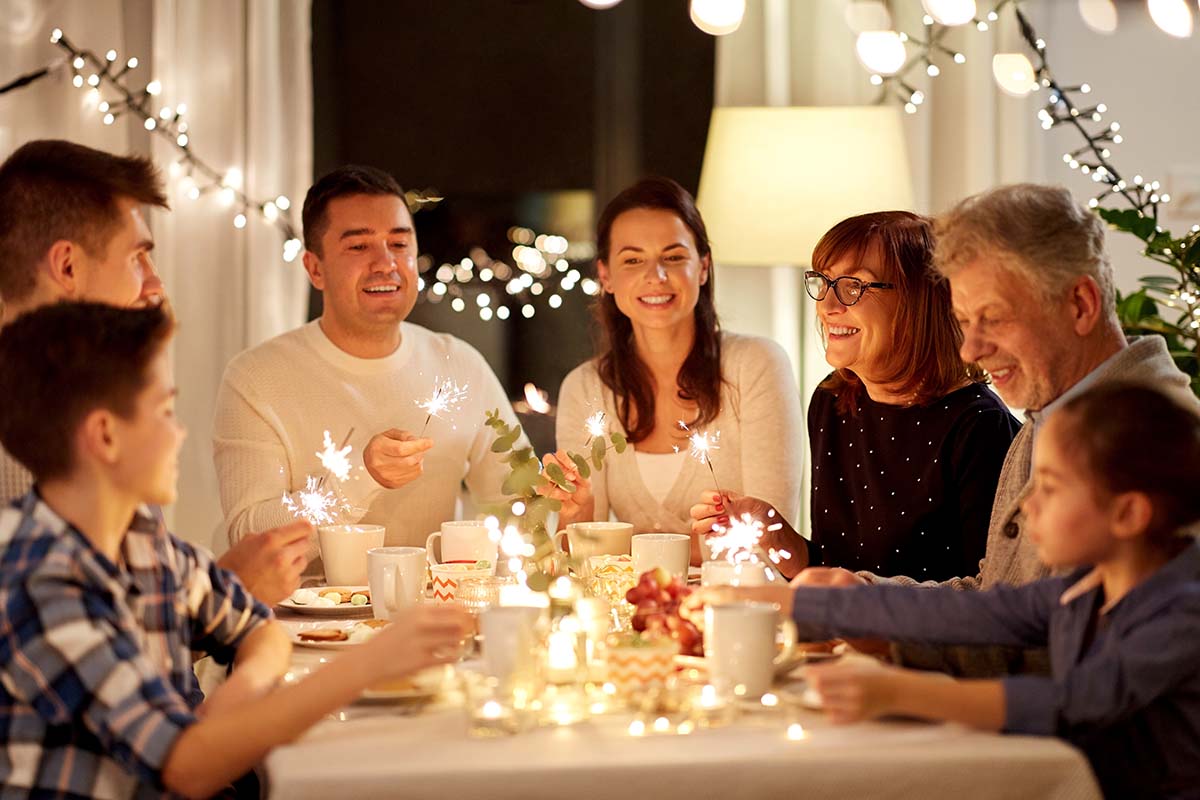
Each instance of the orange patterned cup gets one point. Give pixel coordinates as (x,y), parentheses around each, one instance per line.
(447,576)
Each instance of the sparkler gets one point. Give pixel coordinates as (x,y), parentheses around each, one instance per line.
(596,426)
(334,459)
(447,398)
(741,541)
(318,506)
(702,445)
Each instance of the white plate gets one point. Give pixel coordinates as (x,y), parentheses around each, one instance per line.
(340,610)
(296,628)
(426,685)
(798,658)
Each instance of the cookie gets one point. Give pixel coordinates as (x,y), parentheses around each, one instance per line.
(324,635)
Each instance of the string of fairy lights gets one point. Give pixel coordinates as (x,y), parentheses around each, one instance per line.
(885,55)
(111,92)
(541,271)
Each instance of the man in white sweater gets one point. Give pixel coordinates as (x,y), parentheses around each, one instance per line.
(361,370)
(72,227)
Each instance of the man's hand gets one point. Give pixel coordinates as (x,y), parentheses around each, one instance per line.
(269,563)
(394,458)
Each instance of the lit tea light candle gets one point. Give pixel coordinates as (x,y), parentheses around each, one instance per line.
(795,732)
(561,657)
(491,710)
(637,728)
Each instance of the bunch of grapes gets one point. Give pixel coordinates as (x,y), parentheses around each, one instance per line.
(663,609)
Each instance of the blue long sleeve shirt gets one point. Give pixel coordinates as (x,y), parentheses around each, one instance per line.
(1125,679)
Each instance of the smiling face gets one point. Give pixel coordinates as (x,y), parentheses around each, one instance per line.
(1012,332)
(367,268)
(654,270)
(859,337)
(1067,518)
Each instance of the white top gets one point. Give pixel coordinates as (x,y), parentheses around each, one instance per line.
(659,471)
(761,451)
(277,399)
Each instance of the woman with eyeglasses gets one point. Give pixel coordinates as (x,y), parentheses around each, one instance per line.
(907,440)
(663,359)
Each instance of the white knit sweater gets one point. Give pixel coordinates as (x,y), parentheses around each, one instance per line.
(277,399)
(761,451)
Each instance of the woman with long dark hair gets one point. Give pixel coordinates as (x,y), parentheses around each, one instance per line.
(663,359)
(907,440)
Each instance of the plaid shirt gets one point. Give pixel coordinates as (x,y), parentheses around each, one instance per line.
(96,679)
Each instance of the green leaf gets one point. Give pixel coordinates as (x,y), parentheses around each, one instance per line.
(554,472)
(581,464)
(503,444)
(619,443)
(538,582)
(1130,221)
(598,448)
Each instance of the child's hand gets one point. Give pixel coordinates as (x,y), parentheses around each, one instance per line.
(856,690)
(418,637)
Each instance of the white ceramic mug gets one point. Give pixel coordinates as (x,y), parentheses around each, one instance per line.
(671,551)
(509,638)
(589,539)
(727,573)
(396,576)
(344,552)
(462,541)
(739,645)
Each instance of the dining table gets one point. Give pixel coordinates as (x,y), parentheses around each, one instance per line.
(424,750)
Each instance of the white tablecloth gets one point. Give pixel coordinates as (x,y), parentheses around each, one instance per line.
(374,753)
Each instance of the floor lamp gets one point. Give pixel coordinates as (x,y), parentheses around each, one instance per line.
(775,179)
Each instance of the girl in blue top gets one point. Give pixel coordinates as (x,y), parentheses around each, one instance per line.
(1116,485)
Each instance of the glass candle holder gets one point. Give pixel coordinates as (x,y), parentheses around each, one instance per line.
(493,709)
(476,593)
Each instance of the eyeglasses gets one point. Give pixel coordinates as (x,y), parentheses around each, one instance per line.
(848,290)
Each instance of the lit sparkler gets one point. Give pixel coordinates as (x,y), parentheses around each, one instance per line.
(596,426)
(334,459)
(447,398)
(740,542)
(702,445)
(318,506)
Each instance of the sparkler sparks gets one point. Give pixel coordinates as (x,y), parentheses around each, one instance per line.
(334,459)
(741,541)
(702,445)
(447,398)
(318,506)
(596,426)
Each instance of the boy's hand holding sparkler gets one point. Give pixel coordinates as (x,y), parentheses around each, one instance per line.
(395,458)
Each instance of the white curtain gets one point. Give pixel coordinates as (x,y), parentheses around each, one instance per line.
(243,68)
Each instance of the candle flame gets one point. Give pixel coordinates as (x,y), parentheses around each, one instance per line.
(537,399)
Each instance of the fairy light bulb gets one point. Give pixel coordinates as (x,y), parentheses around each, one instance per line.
(882,52)
(950,12)
(718,17)
(1174,17)
(1013,73)
(1099,15)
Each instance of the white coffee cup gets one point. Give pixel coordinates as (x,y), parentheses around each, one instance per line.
(727,573)
(671,551)
(397,578)
(739,645)
(589,539)
(509,638)
(344,552)
(461,542)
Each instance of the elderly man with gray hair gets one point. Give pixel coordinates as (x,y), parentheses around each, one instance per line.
(1032,289)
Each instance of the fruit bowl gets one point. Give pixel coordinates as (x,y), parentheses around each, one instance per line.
(666,607)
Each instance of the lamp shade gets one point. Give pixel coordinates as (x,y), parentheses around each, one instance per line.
(776,179)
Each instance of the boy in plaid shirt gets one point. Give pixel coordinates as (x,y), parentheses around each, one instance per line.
(101,608)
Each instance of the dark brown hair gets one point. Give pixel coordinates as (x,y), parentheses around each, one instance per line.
(1133,438)
(925,337)
(622,371)
(51,190)
(58,363)
(342,182)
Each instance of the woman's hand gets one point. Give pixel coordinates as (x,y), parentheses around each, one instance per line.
(577,506)
(718,509)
